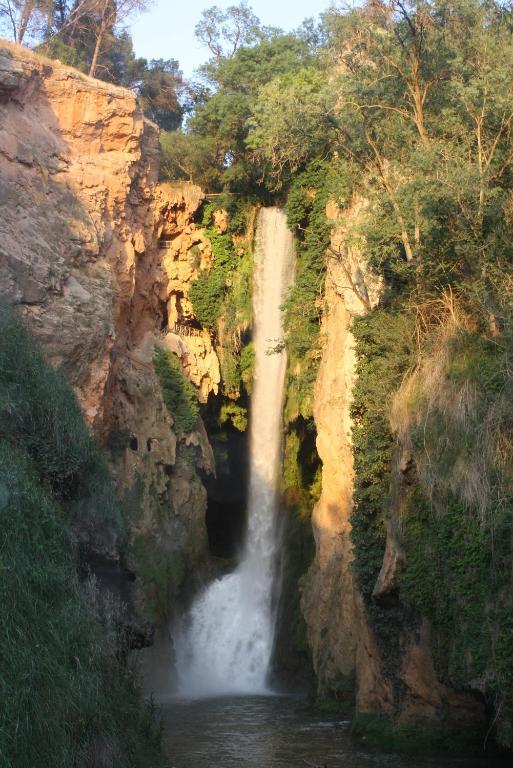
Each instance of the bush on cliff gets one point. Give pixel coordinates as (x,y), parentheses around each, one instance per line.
(178,392)
(39,412)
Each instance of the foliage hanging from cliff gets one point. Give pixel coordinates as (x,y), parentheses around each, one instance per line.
(221,295)
(308,195)
(384,350)
(67,694)
(177,391)
(208,292)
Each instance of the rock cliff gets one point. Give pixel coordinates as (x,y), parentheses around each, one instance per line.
(329,594)
(347,656)
(98,256)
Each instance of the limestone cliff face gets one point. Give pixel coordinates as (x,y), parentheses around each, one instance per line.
(328,597)
(328,602)
(98,256)
(344,646)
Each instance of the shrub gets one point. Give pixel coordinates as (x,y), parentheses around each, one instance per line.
(161,574)
(178,393)
(39,411)
(65,692)
(236,414)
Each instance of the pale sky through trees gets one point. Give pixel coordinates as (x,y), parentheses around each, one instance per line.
(167,30)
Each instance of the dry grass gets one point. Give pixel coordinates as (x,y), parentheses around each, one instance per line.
(23,54)
(460,433)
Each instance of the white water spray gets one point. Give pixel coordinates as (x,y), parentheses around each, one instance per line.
(224,645)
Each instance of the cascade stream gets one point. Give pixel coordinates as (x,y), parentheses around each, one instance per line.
(224,644)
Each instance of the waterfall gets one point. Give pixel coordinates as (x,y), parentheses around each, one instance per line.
(224,645)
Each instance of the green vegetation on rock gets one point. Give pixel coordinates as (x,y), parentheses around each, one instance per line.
(161,573)
(177,391)
(68,694)
(384,349)
(221,295)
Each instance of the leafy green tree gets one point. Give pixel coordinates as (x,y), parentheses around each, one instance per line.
(224,32)
(159,88)
(290,120)
(218,126)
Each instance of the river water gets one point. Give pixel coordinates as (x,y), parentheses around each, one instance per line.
(274,732)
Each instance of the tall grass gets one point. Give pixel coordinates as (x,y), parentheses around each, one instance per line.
(68,698)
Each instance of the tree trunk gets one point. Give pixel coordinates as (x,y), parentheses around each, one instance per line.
(97,49)
(28,10)
(61,12)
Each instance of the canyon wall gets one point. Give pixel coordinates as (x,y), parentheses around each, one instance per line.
(98,257)
(351,661)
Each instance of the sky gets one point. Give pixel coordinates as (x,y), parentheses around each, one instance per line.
(166,31)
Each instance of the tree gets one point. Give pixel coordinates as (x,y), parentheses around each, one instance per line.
(224,32)
(290,120)
(21,17)
(159,88)
(85,31)
(101,17)
(193,157)
(221,113)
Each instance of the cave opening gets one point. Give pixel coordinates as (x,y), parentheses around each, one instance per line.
(164,314)
(226,517)
(227,494)
(308,459)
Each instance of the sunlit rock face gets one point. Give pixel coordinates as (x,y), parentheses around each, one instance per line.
(328,599)
(346,655)
(83,222)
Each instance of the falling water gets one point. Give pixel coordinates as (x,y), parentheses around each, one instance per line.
(224,645)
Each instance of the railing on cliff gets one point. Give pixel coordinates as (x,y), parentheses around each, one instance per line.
(182,329)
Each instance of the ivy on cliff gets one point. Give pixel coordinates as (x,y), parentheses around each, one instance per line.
(306,217)
(458,522)
(384,351)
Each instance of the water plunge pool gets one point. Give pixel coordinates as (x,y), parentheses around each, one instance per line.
(274,732)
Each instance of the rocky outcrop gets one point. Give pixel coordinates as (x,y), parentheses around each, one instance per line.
(328,602)
(347,656)
(98,256)
(328,597)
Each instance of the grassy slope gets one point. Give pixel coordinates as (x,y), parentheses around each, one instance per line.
(67,696)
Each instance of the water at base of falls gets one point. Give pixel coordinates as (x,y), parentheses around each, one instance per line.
(224,644)
(277,732)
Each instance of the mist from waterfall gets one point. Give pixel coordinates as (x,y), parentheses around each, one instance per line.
(224,644)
